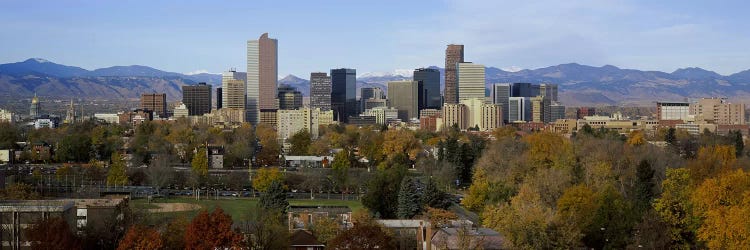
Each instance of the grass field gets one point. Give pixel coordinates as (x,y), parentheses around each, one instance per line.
(238,208)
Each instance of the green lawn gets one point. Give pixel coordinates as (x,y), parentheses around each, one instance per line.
(238,208)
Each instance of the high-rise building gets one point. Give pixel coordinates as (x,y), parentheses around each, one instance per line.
(519,109)
(197,98)
(36,107)
(500,94)
(403,96)
(320,91)
(289,97)
(522,89)
(585,111)
(233,89)
(7,116)
(370,97)
(292,121)
(492,117)
(454,54)
(454,114)
(429,88)
(470,81)
(718,111)
(473,111)
(672,110)
(557,111)
(219,95)
(540,109)
(262,76)
(156,102)
(343,93)
(548,90)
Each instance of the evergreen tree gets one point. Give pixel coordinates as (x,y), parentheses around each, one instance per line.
(739,143)
(409,199)
(274,198)
(670,137)
(644,186)
(432,196)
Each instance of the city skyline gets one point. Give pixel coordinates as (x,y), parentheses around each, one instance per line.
(651,36)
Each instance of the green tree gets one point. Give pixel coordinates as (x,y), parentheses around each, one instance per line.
(274,198)
(432,196)
(74,148)
(300,142)
(611,223)
(9,135)
(382,192)
(670,137)
(199,164)
(340,172)
(739,143)
(264,177)
(268,230)
(409,199)
(676,210)
(644,186)
(117,175)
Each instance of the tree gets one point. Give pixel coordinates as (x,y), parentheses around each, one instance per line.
(503,132)
(724,204)
(382,192)
(52,233)
(74,147)
(325,229)
(270,148)
(676,210)
(173,236)
(478,191)
(199,164)
(211,231)
(401,141)
(636,138)
(739,143)
(19,191)
(670,137)
(267,230)
(300,142)
(340,168)
(525,222)
(432,196)
(575,210)
(439,217)
(9,135)
(117,175)
(547,149)
(644,186)
(363,237)
(159,173)
(409,199)
(141,238)
(274,198)
(712,161)
(264,177)
(612,222)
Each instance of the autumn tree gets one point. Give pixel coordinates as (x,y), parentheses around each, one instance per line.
(724,204)
(300,142)
(264,177)
(340,167)
(525,222)
(675,208)
(141,238)
(199,164)
(612,221)
(636,138)
(325,229)
(173,236)
(401,141)
(363,237)
(267,230)
(9,135)
(270,148)
(52,233)
(211,231)
(117,175)
(575,210)
(547,149)
(159,173)
(19,191)
(712,161)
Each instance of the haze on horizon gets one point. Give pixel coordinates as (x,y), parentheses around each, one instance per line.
(382,36)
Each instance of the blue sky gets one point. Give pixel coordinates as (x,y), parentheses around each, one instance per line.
(379,36)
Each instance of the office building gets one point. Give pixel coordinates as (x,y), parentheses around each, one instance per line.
(343,93)
(156,102)
(374,103)
(292,121)
(233,89)
(370,97)
(492,117)
(454,114)
(585,111)
(429,88)
(6,116)
(500,94)
(362,120)
(197,98)
(219,95)
(473,108)
(429,112)
(180,111)
(454,54)
(718,111)
(320,91)
(262,76)
(548,90)
(403,95)
(36,107)
(522,89)
(268,117)
(519,109)
(470,81)
(540,109)
(557,111)
(382,114)
(672,111)
(289,97)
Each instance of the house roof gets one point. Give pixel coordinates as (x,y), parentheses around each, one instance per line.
(304,238)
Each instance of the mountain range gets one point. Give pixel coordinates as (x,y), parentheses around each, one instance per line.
(579,84)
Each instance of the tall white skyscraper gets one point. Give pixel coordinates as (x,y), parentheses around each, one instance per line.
(470,80)
(262,76)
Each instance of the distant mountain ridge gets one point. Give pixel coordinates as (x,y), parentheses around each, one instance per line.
(579,84)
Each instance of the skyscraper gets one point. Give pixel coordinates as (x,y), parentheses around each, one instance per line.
(262,76)
(219,95)
(521,89)
(320,91)
(454,54)
(499,94)
(197,98)
(156,102)
(519,109)
(540,109)
(557,111)
(289,97)
(548,90)
(343,93)
(470,81)
(429,92)
(370,97)
(233,89)
(403,95)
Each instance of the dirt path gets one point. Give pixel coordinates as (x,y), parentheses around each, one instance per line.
(173,207)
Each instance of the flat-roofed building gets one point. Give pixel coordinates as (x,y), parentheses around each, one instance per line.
(672,111)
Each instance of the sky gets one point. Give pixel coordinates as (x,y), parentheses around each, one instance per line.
(379,36)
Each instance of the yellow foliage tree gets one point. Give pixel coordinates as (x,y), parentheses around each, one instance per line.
(525,222)
(401,141)
(724,204)
(675,209)
(712,161)
(636,138)
(503,132)
(264,177)
(547,149)
(478,191)
(576,209)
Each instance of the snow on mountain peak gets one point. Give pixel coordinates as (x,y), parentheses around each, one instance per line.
(512,69)
(396,72)
(40,60)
